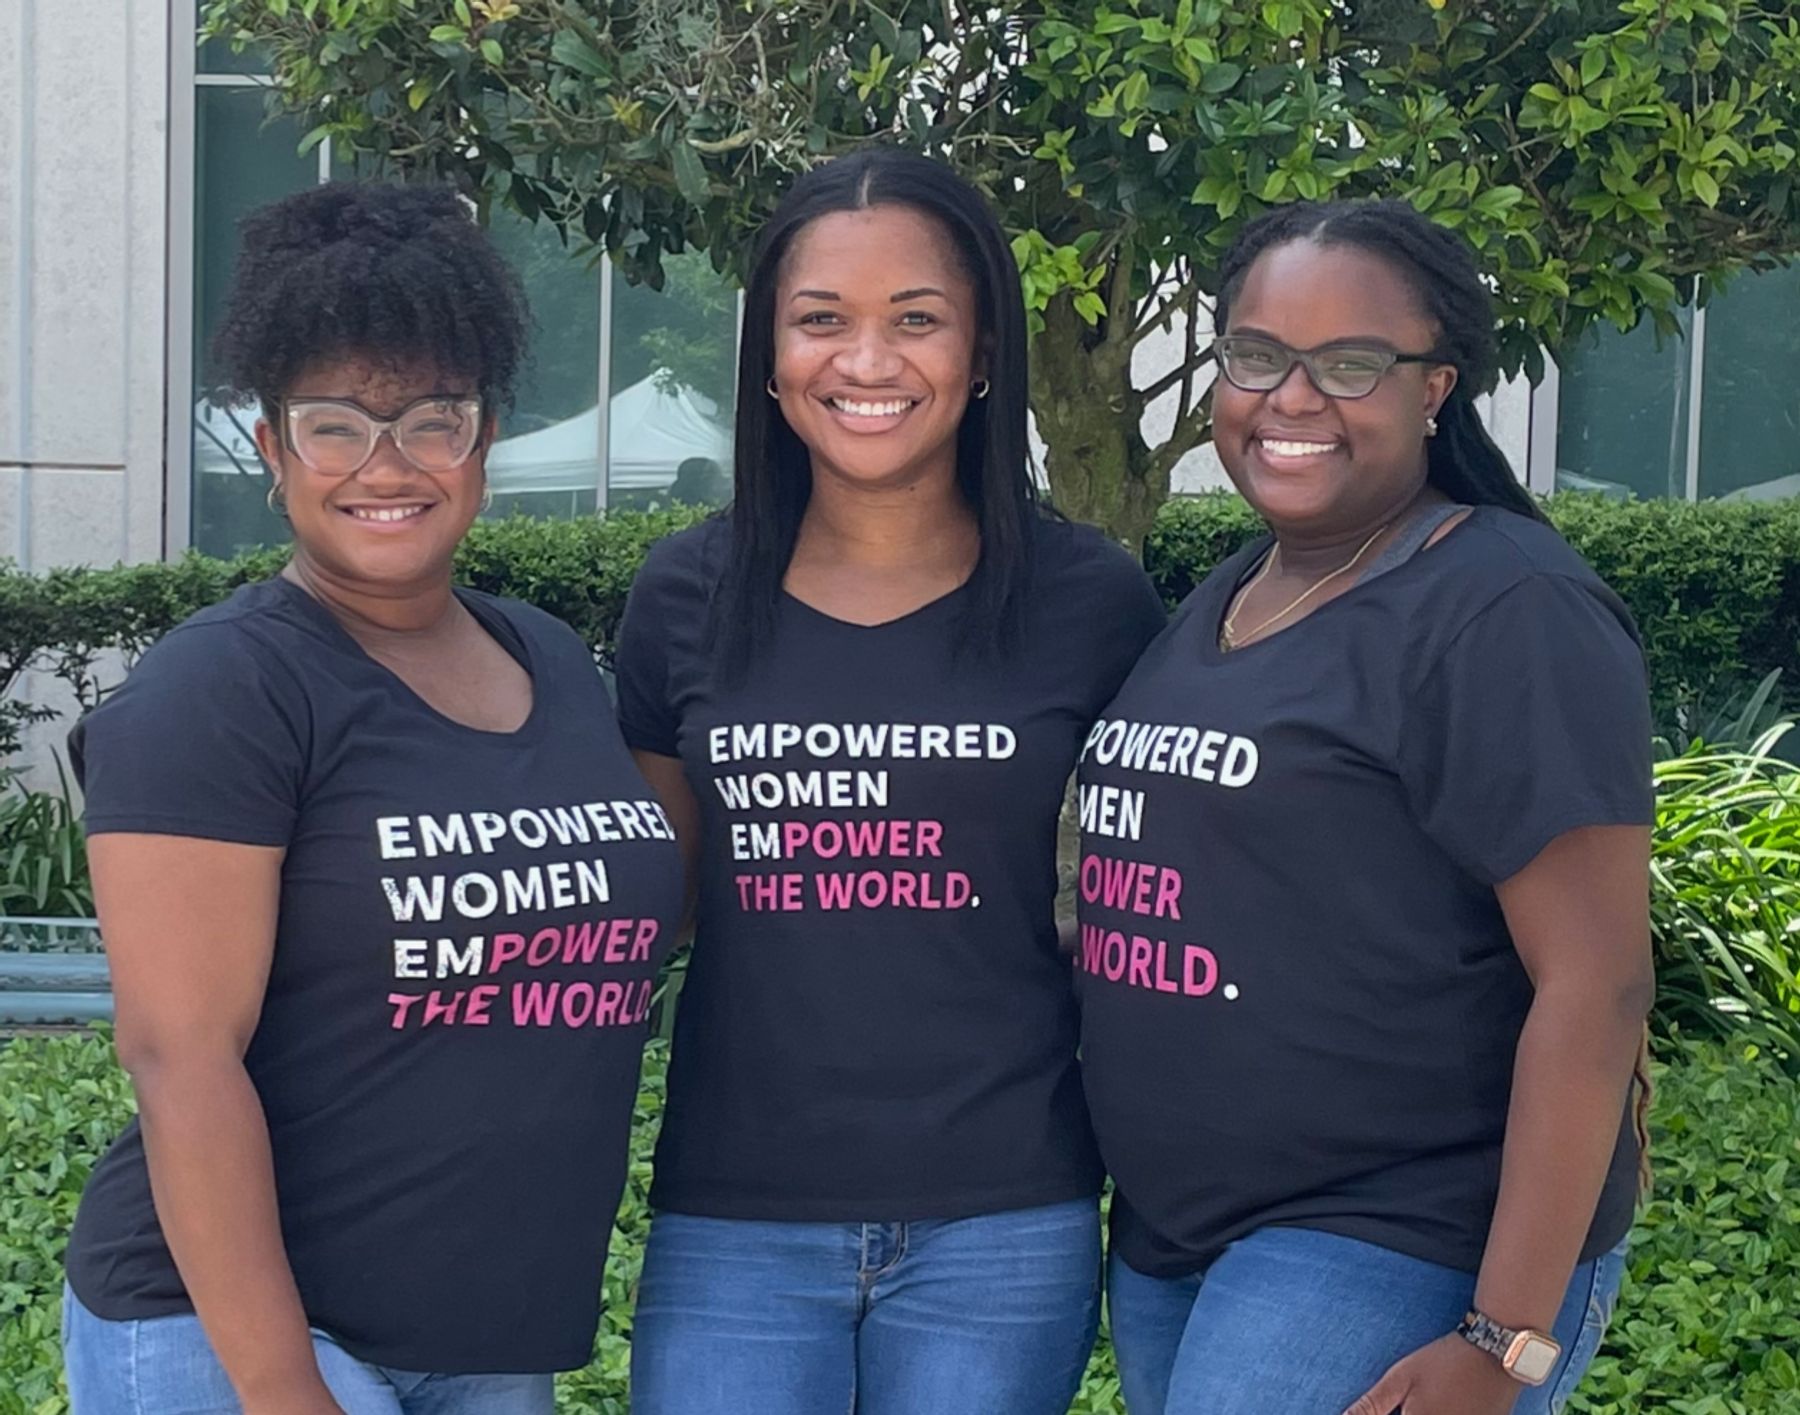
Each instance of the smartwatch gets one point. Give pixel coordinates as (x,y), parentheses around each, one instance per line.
(1527,1356)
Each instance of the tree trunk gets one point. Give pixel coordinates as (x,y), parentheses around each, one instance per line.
(1088,415)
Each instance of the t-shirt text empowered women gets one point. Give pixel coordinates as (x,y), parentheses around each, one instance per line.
(541,919)
(864,859)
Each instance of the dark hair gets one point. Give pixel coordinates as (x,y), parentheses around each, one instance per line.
(395,273)
(773,481)
(1462,460)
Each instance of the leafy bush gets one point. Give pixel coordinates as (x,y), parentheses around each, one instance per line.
(43,857)
(1707,1325)
(1725,895)
(62,1100)
(1715,588)
(1709,1320)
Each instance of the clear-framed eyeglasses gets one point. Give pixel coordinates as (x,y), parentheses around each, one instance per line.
(336,437)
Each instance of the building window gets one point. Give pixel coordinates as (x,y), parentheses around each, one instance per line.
(1622,413)
(1750,404)
(1711,414)
(665,359)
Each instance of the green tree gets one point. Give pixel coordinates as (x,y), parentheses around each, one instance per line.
(1608,158)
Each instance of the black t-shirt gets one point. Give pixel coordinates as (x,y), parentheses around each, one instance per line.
(877,1024)
(470,923)
(1300,1001)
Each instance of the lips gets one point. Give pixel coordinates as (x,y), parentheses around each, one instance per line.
(1294,448)
(386,515)
(872,408)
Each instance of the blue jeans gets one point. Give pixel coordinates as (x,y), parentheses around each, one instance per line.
(1302,1322)
(949,1317)
(165,1364)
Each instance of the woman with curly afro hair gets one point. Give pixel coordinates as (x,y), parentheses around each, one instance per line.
(382,940)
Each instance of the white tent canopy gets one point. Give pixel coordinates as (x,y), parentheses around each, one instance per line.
(652,432)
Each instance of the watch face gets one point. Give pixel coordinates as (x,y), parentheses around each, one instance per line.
(1532,1359)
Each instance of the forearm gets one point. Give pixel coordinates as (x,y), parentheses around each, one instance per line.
(1571,1076)
(213,1181)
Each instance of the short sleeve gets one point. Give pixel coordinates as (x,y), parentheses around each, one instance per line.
(1103,609)
(205,738)
(647,717)
(1534,721)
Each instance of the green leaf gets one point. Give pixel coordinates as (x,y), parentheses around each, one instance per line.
(449,34)
(1220,78)
(492,52)
(1706,186)
(570,49)
(690,174)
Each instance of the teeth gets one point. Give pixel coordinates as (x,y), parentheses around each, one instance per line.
(872,410)
(1295,449)
(396,513)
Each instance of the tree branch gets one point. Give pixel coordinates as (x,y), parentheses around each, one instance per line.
(1188,369)
(1189,432)
(1189,291)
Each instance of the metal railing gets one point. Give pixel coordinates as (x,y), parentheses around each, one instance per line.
(52,973)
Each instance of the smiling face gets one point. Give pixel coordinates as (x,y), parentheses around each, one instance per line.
(387,526)
(876,346)
(1307,462)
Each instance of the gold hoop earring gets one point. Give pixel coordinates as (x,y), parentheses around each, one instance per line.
(771,389)
(277,502)
(981,387)
(1431,427)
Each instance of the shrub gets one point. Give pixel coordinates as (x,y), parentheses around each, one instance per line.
(1707,1324)
(1725,896)
(1709,1320)
(1715,587)
(43,856)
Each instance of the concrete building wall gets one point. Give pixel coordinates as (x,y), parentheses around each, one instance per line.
(84,97)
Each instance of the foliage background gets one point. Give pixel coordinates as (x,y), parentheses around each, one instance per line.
(1714,586)
(1606,158)
(1708,1324)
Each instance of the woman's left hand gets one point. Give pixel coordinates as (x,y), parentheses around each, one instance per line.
(1449,1377)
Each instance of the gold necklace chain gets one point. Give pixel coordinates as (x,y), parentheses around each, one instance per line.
(1228,635)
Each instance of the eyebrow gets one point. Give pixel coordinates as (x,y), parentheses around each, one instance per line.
(898,298)
(1354,341)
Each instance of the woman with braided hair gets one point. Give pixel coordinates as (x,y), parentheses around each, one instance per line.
(1365,965)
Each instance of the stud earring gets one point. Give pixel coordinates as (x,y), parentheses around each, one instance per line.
(981,387)
(771,389)
(277,502)
(1431,427)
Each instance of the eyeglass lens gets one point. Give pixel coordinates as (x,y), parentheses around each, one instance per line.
(1343,371)
(338,438)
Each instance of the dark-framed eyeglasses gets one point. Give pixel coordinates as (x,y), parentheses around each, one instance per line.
(336,437)
(1259,365)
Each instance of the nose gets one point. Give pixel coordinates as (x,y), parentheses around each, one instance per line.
(1297,394)
(386,468)
(869,356)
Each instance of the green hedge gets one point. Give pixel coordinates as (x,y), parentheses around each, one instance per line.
(1715,587)
(1708,1324)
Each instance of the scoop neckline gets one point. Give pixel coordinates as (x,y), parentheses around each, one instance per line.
(483,616)
(1215,615)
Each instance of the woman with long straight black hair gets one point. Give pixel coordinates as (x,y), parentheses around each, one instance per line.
(861,697)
